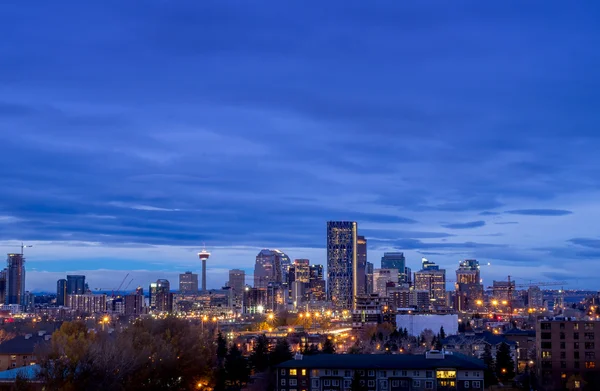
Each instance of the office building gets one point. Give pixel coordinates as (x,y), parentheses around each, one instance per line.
(568,350)
(433,280)
(402,297)
(535,297)
(434,370)
(369,277)
(395,260)
(164,301)
(317,286)
(381,278)
(342,283)
(15,279)
(29,302)
(368,310)
(188,283)
(255,300)
(75,285)
(237,281)
(87,303)
(361,266)
(2,286)
(61,292)
(503,290)
(408,276)
(299,271)
(270,266)
(152,295)
(469,289)
(134,303)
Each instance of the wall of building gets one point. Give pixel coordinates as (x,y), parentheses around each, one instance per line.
(417,323)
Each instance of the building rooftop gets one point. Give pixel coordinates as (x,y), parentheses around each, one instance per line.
(21,344)
(514,332)
(385,361)
(485,336)
(29,372)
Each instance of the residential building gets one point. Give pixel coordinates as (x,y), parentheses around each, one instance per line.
(15,279)
(402,297)
(255,300)
(361,265)
(395,260)
(316,284)
(134,304)
(152,294)
(368,310)
(29,302)
(433,370)
(61,292)
(188,283)
(270,266)
(474,343)
(525,340)
(535,298)
(503,290)
(408,274)
(19,351)
(75,285)
(433,280)
(164,297)
(567,350)
(381,278)
(342,263)
(87,303)
(469,289)
(237,281)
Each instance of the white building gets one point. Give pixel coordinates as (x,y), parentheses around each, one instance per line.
(417,323)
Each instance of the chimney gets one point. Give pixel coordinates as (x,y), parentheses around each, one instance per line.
(28,336)
(41,333)
(298,356)
(47,337)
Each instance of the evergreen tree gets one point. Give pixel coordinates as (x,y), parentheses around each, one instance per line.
(236,368)
(505,366)
(438,344)
(442,333)
(221,348)
(358,384)
(489,377)
(314,349)
(259,358)
(328,347)
(281,353)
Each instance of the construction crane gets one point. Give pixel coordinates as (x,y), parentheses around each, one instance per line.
(127,286)
(23,246)
(118,290)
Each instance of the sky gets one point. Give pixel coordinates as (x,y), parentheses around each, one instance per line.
(134,132)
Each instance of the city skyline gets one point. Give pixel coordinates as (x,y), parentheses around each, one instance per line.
(446,132)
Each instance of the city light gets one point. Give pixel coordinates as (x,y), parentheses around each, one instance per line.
(494,302)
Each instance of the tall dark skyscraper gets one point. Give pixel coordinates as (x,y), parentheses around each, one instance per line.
(370,282)
(61,292)
(15,279)
(395,261)
(271,266)
(361,268)
(75,285)
(2,286)
(342,263)
(188,283)
(468,285)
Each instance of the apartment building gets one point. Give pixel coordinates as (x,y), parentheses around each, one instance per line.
(434,370)
(568,352)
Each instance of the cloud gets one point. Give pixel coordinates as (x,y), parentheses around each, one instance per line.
(540,212)
(506,222)
(468,225)
(488,213)
(586,242)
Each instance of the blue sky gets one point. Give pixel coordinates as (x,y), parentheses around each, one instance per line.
(133,132)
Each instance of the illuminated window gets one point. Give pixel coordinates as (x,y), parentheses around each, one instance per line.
(590,364)
(293,372)
(546,354)
(577,384)
(304,372)
(446,374)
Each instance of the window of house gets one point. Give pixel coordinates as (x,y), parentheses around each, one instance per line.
(315,383)
(467,374)
(562,326)
(283,382)
(304,372)
(546,354)
(576,365)
(327,372)
(404,373)
(589,345)
(562,335)
(283,371)
(590,364)
(576,326)
(589,326)
(404,383)
(546,326)
(563,355)
(476,384)
(395,383)
(335,372)
(546,335)
(589,336)
(590,355)
(347,383)
(563,345)
(326,382)
(546,345)
(416,373)
(371,383)
(429,374)
(467,384)
(335,383)
(293,382)
(371,373)
(383,373)
(293,372)
(575,335)
(347,374)
(395,373)
(429,385)
(576,355)
(293,389)
(576,345)
(577,384)
(563,364)
(416,383)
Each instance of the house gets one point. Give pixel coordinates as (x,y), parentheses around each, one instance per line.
(19,351)
(474,343)
(525,340)
(434,370)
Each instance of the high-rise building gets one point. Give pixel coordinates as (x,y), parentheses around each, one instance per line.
(152,294)
(134,304)
(75,285)
(61,292)
(203,255)
(188,283)
(87,303)
(408,275)
(381,278)
(29,302)
(395,261)
(342,282)
(503,290)
(535,297)
(2,286)
(370,278)
(316,283)
(237,281)
(255,300)
(301,269)
(361,268)
(164,297)
(15,279)
(432,279)
(269,267)
(469,289)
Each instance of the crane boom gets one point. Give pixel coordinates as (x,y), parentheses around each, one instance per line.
(121,284)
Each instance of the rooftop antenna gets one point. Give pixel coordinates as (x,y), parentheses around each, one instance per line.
(23,246)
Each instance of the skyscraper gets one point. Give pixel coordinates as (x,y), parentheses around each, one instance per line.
(269,267)
(164,297)
(381,278)
(468,285)
(188,283)
(432,279)
(152,291)
(75,285)
(361,268)
(61,292)
(237,281)
(369,278)
(342,264)
(2,286)
(396,261)
(15,279)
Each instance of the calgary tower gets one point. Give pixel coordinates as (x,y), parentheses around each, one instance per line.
(203,255)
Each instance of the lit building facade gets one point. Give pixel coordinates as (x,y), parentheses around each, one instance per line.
(369,277)
(87,303)
(188,283)
(395,260)
(270,266)
(342,263)
(15,279)
(433,280)
(535,297)
(237,281)
(75,284)
(469,289)
(361,268)
(381,278)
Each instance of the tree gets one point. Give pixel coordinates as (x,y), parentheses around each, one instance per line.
(505,366)
(358,384)
(281,353)
(328,346)
(489,377)
(236,368)
(221,347)
(259,358)
(442,333)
